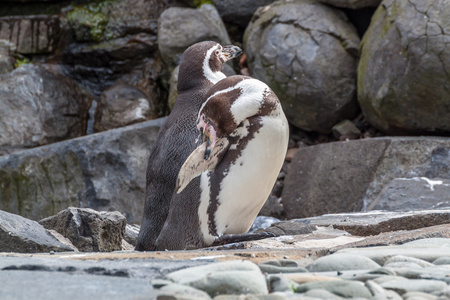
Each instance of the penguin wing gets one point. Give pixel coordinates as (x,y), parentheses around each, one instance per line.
(196,164)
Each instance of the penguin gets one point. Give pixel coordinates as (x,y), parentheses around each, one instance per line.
(200,68)
(226,180)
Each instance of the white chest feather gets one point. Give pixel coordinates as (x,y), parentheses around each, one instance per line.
(249,180)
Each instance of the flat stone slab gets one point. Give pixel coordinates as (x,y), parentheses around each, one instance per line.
(123,265)
(380,254)
(374,222)
(59,285)
(414,193)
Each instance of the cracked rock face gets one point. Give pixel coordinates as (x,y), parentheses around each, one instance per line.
(306,52)
(404,72)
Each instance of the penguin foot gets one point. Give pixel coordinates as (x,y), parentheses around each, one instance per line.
(243,237)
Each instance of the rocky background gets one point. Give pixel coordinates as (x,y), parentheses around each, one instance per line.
(84,87)
(365,84)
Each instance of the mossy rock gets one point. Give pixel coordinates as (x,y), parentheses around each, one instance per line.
(87,22)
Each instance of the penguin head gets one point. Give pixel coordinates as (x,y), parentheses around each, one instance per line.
(204,62)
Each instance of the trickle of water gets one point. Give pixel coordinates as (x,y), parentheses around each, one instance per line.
(90,124)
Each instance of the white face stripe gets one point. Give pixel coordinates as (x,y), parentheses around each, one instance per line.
(214,77)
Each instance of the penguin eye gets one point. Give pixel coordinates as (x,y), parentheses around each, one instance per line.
(217,52)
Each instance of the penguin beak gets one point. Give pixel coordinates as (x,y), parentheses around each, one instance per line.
(229,52)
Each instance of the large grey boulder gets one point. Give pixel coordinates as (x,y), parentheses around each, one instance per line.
(179,28)
(89,230)
(307,53)
(239,12)
(403,74)
(349,176)
(103,171)
(122,105)
(39,108)
(18,234)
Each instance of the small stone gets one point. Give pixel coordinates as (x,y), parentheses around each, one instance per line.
(322,294)
(230,277)
(415,285)
(273,296)
(401,258)
(159,283)
(343,288)
(281,266)
(441,242)
(402,264)
(279,283)
(428,250)
(380,293)
(387,278)
(445,260)
(346,129)
(309,277)
(418,296)
(339,262)
(186,292)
